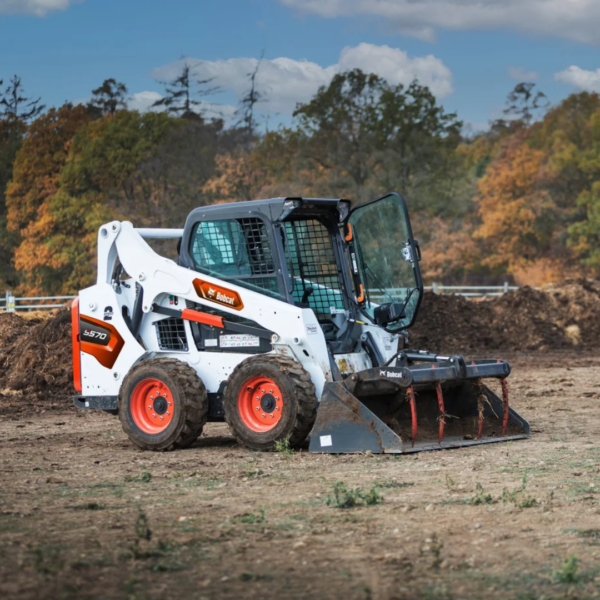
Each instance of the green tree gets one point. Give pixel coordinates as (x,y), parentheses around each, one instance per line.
(182,94)
(378,135)
(108,98)
(14,103)
(524,103)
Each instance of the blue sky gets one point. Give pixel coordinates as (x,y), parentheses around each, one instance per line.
(465,49)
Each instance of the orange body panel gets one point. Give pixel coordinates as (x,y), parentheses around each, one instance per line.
(105,355)
(76,345)
(218,294)
(202,317)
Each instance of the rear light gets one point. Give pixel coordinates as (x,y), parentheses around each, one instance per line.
(76,345)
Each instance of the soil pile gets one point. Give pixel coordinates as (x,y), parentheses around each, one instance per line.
(35,355)
(565,315)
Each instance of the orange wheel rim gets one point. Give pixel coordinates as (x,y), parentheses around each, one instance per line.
(152,406)
(260,404)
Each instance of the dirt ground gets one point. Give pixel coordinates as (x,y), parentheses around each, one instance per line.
(84,514)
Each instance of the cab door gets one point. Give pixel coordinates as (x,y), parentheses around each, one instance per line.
(384,259)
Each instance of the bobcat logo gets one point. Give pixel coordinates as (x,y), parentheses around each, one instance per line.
(218,294)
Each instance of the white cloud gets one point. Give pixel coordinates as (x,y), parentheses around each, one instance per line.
(285,81)
(588,81)
(577,20)
(522,74)
(143,101)
(37,8)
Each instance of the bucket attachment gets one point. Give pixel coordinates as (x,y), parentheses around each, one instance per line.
(430,406)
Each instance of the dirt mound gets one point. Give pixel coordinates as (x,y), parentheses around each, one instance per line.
(35,356)
(558,316)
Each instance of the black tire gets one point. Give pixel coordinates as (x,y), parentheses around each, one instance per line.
(189,400)
(299,398)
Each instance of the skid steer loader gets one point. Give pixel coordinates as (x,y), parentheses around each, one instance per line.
(281,317)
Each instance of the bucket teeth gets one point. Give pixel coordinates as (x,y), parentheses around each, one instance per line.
(413,412)
(442,417)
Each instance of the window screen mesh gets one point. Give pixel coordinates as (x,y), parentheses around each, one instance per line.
(312,264)
(236,249)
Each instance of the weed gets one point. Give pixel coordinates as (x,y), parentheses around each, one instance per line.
(481,497)
(451,484)
(590,534)
(344,497)
(434,547)
(47,560)
(283,447)
(373,497)
(249,470)
(518,496)
(142,533)
(145,477)
(568,573)
(251,518)
(393,483)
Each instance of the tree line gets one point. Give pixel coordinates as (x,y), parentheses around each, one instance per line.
(521,200)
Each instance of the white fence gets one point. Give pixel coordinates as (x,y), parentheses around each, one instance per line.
(11,303)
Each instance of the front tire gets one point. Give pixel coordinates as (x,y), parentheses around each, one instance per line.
(163,404)
(269,398)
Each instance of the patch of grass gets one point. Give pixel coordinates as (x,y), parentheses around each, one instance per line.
(394,483)
(168,567)
(142,534)
(283,447)
(518,497)
(481,497)
(250,470)
(251,518)
(590,534)
(48,560)
(344,497)
(145,477)
(433,548)
(568,573)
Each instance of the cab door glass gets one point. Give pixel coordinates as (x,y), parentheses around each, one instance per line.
(386,257)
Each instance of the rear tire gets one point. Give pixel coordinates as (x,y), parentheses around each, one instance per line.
(270,398)
(163,404)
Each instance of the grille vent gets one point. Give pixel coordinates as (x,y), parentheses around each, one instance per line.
(171,334)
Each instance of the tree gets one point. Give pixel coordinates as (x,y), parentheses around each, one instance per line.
(181,94)
(35,179)
(108,98)
(523,103)
(11,138)
(377,134)
(249,101)
(16,105)
(519,219)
